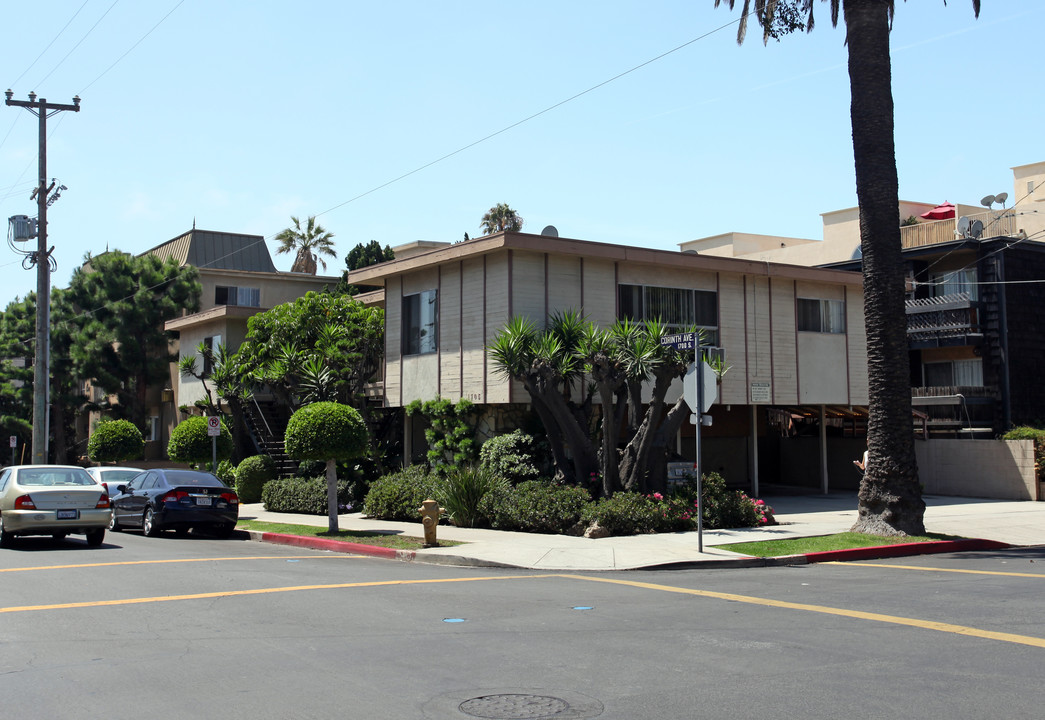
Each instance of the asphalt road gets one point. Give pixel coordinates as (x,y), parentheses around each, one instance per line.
(207,628)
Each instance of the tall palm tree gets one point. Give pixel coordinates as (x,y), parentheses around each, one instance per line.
(500,218)
(890,498)
(310,243)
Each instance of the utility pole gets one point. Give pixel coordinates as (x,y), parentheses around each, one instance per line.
(42,371)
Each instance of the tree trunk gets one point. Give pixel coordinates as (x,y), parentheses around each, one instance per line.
(890,501)
(332,496)
(554,435)
(657,469)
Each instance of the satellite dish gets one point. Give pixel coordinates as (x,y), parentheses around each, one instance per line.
(1001,198)
(550,231)
(976,229)
(963,226)
(988,200)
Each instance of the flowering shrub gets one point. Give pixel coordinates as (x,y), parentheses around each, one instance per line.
(765,512)
(535,506)
(723,508)
(629,513)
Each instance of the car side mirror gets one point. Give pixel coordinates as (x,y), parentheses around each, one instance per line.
(121,488)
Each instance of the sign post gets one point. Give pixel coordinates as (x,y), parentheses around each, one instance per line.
(214,431)
(14,448)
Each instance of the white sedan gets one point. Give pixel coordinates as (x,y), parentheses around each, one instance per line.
(54,500)
(112,477)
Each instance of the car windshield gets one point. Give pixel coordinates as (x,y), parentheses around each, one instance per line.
(190,477)
(55,476)
(117,476)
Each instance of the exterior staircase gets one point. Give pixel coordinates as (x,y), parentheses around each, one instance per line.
(267,421)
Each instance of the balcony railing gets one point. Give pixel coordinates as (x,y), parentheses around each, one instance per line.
(957,409)
(948,317)
(934,232)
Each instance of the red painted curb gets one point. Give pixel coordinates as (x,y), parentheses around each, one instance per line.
(315,543)
(906,549)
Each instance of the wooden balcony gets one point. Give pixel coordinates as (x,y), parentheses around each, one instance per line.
(945,320)
(934,232)
(958,410)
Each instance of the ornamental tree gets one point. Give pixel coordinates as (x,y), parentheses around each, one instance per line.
(327,431)
(115,441)
(190,443)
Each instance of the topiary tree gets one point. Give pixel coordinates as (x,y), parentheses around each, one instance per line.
(191,444)
(251,476)
(115,441)
(326,431)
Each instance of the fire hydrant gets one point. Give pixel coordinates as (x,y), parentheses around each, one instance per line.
(430,520)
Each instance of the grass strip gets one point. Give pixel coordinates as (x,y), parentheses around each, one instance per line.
(826,543)
(388,540)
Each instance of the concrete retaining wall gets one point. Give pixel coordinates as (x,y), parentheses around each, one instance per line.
(998,469)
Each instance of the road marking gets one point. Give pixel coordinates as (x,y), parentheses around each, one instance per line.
(826,610)
(184,560)
(1040,576)
(259,591)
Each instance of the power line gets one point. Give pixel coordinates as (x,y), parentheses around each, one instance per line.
(53,40)
(60,62)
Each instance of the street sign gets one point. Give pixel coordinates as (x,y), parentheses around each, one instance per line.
(689,386)
(680,341)
(213,426)
(14,441)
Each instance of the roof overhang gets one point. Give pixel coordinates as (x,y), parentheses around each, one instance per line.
(222,312)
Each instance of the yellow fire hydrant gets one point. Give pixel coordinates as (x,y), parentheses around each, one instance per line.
(430,520)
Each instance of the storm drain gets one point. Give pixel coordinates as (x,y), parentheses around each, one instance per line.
(513,703)
(514,707)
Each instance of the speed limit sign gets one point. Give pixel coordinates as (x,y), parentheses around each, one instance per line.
(213,426)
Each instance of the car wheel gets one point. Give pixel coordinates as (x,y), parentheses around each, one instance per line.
(149,524)
(95,537)
(6,539)
(114,524)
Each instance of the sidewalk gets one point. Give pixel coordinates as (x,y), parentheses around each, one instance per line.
(1002,523)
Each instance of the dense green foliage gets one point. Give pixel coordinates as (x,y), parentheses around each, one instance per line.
(226,472)
(190,443)
(303,495)
(115,441)
(326,431)
(535,506)
(362,256)
(500,218)
(461,491)
(451,430)
(630,513)
(252,474)
(398,495)
(511,456)
(120,342)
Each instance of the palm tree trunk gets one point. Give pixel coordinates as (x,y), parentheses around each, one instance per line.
(890,501)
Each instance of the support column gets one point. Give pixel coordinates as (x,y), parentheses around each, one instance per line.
(823,450)
(754,451)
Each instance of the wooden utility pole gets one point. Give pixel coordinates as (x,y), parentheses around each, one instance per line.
(42,258)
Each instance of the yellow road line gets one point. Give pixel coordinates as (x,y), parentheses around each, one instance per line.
(826,610)
(1040,576)
(259,591)
(184,560)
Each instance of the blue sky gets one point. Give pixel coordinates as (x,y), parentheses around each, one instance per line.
(237,115)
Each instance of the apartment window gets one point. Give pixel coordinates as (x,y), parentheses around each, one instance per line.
(954,282)
(678,308)
(154,428)
(229,295)
(953,373)
(825,316)
(420,323)
(211,344)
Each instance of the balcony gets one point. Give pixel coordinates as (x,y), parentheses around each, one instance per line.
(961,410)
(945,320)
(934,232)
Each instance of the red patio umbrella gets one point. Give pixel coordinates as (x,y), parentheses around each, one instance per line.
(940,212)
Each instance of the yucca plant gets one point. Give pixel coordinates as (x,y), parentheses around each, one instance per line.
(461,491)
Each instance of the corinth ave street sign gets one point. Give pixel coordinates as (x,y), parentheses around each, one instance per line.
(681,341)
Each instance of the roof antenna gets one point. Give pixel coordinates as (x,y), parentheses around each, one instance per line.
(194,222)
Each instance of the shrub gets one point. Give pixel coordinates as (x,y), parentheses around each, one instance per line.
(723,508)
(227,473)
(398,495)
(512,456)
(631,513)
(326,431)
(302,495)
(251,476)
(462,489)
(190,443)
(115,441)
(534,506)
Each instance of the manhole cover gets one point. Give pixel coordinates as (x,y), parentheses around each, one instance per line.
(514,706)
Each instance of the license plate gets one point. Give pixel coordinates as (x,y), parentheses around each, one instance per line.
(68,514)
(203,501)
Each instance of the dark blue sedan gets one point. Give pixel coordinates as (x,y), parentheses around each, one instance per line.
(175,499)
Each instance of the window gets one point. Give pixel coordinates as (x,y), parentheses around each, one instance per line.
(420,323)
(678,308)
(154,428)
(954,282)
(826,316)
(246,296)
(211,344)
(956,373)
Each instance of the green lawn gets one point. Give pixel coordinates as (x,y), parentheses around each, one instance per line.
(824,543)
(388,540)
